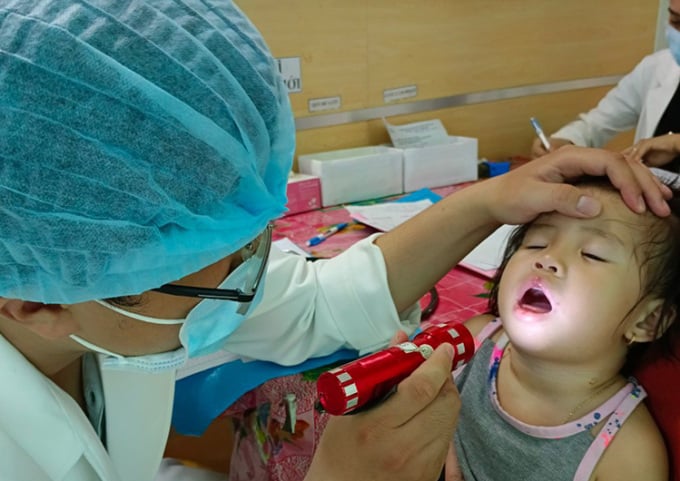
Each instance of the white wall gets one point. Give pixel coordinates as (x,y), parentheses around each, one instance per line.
(661,22)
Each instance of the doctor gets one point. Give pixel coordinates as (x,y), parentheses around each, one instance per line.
(144,149)
(647,99)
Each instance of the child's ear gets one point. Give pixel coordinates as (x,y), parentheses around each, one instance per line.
(649,324)
(50,321)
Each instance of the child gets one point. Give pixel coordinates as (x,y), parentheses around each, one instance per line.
(547,395)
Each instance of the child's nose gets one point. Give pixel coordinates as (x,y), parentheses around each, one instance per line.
(549,264)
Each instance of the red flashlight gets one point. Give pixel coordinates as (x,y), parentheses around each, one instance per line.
(351,386)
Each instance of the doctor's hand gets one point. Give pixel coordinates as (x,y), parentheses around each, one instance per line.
(656,151)
(538,186)
(404,438)
(537,149)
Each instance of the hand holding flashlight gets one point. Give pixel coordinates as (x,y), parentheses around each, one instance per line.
(355,384)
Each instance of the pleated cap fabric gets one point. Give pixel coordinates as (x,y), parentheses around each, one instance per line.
(140,141)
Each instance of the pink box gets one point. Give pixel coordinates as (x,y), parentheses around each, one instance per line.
(304,193)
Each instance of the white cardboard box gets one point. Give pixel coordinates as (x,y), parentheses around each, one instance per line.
(351,175)
(441,164)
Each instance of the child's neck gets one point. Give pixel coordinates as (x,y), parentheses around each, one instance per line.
(547,394)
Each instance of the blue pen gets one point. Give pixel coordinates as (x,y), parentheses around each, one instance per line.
(318,239)
(539,132)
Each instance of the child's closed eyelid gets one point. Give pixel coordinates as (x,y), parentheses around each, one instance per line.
(594,256)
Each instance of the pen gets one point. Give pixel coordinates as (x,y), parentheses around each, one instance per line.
(539,132)
(318,239)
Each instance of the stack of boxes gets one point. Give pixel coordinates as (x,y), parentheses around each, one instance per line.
(352,175)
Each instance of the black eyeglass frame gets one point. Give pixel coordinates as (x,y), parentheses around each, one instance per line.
(236,295)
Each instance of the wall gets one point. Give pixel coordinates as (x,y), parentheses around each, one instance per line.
(661,22)
(356,49)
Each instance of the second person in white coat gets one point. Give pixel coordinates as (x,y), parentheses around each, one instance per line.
(646,99)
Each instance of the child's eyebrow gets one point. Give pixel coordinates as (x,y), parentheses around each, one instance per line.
(541,225)
(605,234)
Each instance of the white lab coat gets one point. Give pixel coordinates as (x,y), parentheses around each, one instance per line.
(639,100)
(44,435)
(312,309)
(307,309)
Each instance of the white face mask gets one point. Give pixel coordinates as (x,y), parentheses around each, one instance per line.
(150,363)
(204,330)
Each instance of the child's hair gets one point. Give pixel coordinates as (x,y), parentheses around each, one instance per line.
(659,271)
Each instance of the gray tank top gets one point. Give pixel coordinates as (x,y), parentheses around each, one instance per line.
(493,446)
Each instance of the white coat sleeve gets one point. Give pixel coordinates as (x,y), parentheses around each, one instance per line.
(618,111)
(312,309)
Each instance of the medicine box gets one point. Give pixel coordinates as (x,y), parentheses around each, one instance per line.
(303,192)
(442,164)
(351,175)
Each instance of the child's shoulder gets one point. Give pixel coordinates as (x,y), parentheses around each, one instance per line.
(477,323)
(636,452)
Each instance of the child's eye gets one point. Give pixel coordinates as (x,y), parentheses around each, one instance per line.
(593,257)
(534,246)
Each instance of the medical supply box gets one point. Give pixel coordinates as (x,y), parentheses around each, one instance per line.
(303,192)
(351,175)
(440,164)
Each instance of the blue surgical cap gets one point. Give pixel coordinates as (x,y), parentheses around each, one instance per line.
(140,141)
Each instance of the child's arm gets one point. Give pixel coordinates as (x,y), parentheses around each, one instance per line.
(637,452)
(452,468)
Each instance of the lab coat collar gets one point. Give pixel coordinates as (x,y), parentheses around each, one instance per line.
(45,421)
(666,78)
(668,72)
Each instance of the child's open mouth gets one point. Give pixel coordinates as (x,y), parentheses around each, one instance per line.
(534,300)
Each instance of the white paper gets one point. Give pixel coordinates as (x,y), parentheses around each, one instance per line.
(388,215)
(417,134)
(487,256)
(287,245)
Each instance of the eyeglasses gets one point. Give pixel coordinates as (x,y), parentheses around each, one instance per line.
(259,249)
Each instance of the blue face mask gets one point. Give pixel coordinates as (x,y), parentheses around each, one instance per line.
(211,321)
(673,39)
(204,330)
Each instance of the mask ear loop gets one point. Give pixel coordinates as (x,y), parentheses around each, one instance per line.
(133,315)
(140,317)
(95,348)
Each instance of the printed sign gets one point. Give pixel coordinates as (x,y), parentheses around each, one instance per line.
(290,71)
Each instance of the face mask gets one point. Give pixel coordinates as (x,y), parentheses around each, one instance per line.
(203,331)
(673,39)
(211,321)
(151,363)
